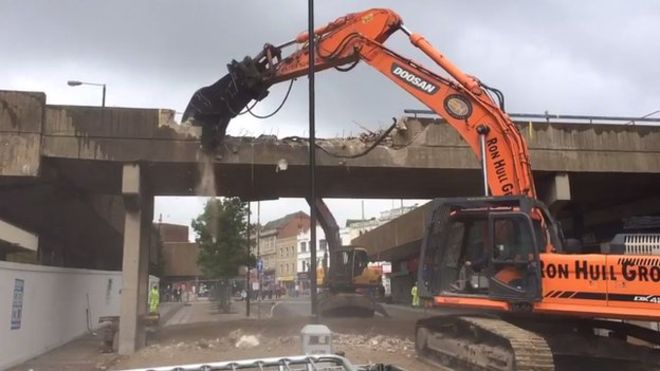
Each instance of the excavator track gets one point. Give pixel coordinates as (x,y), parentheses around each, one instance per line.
(479,343)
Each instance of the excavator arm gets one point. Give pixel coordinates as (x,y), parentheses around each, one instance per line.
(463,102)
(331,231)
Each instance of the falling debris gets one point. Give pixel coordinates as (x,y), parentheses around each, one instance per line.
(206,186)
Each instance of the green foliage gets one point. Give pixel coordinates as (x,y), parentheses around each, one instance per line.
(221,235)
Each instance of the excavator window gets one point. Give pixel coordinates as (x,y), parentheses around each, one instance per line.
(443,256)
(341,265)
(541,234)
(345,257)
(514,254)
(360,261)
(455,244)
(512,240)
(465,256)
(475,244)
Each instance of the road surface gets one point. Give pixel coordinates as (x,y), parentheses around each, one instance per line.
(301,307)
(198,332)
(205,311)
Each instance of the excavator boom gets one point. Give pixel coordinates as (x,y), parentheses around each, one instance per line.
(463,103)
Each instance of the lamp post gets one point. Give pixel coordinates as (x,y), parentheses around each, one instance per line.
(312,156)
(78,83)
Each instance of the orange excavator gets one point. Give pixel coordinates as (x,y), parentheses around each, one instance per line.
(528,298)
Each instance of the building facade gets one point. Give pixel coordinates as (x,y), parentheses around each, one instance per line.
(286,262)
(303,241)
(356,227)
(277,250)
(266,248)
(303,262)
(179,256)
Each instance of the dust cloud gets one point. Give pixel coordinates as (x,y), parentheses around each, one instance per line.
(207,187)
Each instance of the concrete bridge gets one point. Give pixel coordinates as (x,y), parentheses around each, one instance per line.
(83,178)
(74,161)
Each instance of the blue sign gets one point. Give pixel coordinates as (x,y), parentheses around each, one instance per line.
(260,265)
(17,304)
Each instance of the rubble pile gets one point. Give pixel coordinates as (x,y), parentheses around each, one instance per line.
(372,136)
(239,339)
(247,341)
(388,344)
(187,346)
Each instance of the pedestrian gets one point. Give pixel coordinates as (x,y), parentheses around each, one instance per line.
(154,300)
(415,296)
(184,292)
(243,295)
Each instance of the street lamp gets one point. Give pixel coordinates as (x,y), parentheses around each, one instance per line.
(78,83)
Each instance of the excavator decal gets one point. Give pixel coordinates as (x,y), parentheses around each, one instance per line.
(583,270)
(458,107)
(413,80)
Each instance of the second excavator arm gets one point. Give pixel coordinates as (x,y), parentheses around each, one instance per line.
(463,102)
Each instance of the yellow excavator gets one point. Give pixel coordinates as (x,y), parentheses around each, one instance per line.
(344,272)
(353,261)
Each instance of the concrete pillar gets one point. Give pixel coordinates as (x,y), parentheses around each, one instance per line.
(558,192)
(137,222)
(143,282)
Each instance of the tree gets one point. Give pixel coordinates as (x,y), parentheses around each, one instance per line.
(221,229)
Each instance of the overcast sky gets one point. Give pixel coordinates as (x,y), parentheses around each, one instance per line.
(577,57)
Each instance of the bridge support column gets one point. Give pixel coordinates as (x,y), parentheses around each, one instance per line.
(558,192)
(135,265)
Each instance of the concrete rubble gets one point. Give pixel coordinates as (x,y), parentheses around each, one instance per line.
(238,339)
(389,344)
(247,341)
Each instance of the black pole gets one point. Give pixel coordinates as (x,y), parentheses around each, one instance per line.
(312,155)
(259,262)
(247,275)
(103,99)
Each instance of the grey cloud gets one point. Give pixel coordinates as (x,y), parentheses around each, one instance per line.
(578,57)
(597,57)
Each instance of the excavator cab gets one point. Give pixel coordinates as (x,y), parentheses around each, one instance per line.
(347,265)
(348,271)
(485,248)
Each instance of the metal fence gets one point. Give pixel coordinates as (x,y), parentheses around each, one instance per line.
(295,363)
